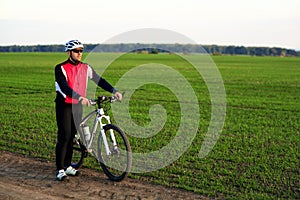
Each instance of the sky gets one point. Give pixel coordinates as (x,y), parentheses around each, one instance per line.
(270,23)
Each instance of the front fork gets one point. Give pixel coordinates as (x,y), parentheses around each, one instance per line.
(101,119)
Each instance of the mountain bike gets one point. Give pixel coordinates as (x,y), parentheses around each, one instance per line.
(106,141)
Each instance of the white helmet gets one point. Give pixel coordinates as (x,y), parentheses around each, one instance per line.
(73,44)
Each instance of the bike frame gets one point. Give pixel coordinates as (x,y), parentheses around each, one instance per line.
(101,120)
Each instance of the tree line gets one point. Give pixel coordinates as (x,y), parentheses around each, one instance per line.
(158,48)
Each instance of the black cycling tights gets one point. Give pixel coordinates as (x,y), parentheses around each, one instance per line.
(67,116)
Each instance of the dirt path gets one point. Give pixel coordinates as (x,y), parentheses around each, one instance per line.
(27,178)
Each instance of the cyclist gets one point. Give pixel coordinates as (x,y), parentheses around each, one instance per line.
(71,83)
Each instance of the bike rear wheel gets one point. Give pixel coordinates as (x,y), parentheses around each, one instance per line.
(116,165)
(79,153)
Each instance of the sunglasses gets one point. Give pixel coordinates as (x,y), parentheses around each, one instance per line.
(77,51)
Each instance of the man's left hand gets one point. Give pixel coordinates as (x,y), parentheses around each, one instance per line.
(118,95)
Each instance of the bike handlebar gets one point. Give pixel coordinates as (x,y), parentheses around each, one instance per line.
(102,99)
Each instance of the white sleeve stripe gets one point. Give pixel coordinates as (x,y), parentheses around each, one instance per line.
(90,72)
(57,88)
(64,72)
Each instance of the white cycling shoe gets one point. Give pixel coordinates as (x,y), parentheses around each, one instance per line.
(61,175)
(71,171)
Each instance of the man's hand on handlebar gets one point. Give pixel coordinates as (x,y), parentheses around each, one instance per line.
(119,96)
(84,101)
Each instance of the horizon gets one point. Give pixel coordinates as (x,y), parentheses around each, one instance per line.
(157,44)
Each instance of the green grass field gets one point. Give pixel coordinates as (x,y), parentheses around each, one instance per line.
(256,156)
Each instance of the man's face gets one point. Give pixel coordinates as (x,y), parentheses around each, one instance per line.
(76,54)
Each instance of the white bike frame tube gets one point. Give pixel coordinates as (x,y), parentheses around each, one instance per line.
(99,119)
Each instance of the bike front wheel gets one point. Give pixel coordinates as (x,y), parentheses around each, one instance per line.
(116,164)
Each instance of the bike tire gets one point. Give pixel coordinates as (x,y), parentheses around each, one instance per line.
(117,165)
(79,154)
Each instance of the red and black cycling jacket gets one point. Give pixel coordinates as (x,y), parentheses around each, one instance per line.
(71,81)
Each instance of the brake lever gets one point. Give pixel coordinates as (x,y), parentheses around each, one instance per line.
(92,102)
(113,99)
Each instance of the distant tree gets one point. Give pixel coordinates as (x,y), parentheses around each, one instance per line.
(230,50)
(240,50)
